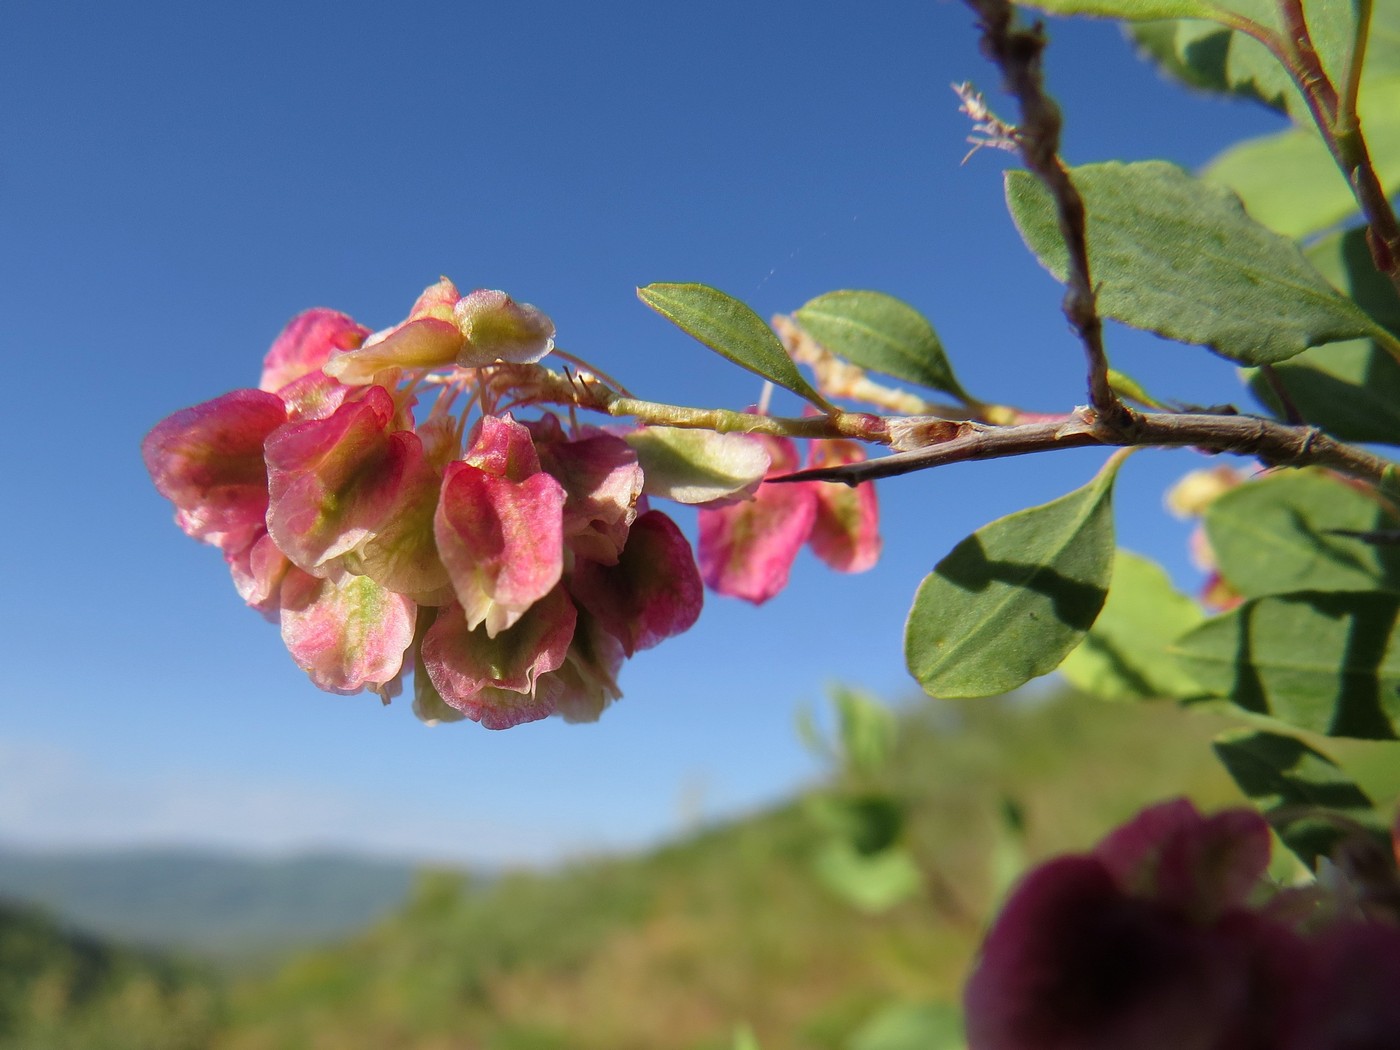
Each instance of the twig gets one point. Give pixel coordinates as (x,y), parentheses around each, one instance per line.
(1017,53)
(1276,444)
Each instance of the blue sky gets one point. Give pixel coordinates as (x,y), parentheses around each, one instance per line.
(178,180)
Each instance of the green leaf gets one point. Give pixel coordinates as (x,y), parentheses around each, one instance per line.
(1124,656)
(1178,256)
(1327,663)
(1126,386)
(1350,389)
(912,1026)
(1345,259)
(1009,602)
(744,1039)
(882,334)
(731,329)
(1277,535)
(1293,784)
(1213,58)
(867,731)
(1312,195)
(874,882)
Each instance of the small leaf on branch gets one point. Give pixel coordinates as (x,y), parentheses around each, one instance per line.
(1124,656)
(1178,256)
(1291,782)
(1014,598)
(1280,534)
(731,329)
(882,334)
(1327,663)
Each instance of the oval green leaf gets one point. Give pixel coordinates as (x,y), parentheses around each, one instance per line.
(1013,599)
(1294,785)
(882,334)
(731,329)
(1279,535)
(1124,656)
(1177,255)
(1327,663)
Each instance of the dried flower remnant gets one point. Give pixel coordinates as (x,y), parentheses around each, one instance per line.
(382,497)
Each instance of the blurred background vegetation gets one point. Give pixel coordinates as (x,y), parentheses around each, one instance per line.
(845,919)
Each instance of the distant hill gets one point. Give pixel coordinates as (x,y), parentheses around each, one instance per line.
(673,948)
(212,904)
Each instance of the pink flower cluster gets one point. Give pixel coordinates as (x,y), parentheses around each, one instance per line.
(1165,938)
(510,565)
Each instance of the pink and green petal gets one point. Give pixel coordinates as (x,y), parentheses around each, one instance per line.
(306,344)
(588,679)
(501,541)
(333,481)
(494,327)
(422,344)
(503,447)
(436,301)
(347,635)
(846,532)
(747,549)
(602,484)
(258,569)
(653,592)
(500,681)
(208,460)
(313,396)
(401,553)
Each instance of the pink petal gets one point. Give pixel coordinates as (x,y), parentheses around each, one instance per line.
(333,481)
(588,679)
(1074,963)
(1348,998)
(436,301)
(346,635)
(503,447)
(495,328)
(258,568)
(502,542)
(306,344)
(1200,866)
(208,460)
(425,343)
(602,483)
(498,681)
(652,593)
(846,532)
(747,549)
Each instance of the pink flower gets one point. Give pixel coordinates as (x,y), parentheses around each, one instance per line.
(1159,939)
(445,328)
(747,549)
